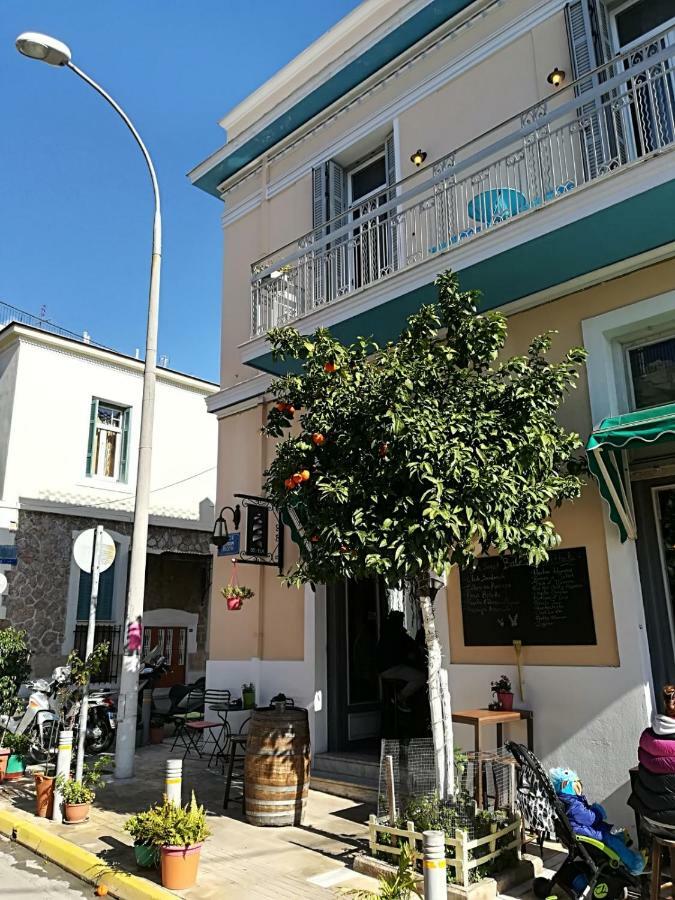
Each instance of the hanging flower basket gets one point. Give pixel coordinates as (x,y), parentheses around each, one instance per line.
(234,593)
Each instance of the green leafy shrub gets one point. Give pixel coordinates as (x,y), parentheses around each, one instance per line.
(14,667)
(84,791)
(167,825)
(399,885)
(237,590)
(82,671)
(18,744)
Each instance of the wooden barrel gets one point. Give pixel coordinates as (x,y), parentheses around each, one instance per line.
(276,767)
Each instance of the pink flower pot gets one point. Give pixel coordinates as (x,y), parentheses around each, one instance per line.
(179,866)
(505,699)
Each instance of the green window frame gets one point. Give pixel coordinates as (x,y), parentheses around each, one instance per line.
(123,467)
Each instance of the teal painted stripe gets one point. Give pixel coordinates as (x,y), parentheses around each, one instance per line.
(626,229)
(380,54)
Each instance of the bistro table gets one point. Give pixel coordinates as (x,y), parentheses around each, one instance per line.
(498,717)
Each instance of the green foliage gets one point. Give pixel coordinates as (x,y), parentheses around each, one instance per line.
(81,791)
(236,590)
(424,451)
(166,824)
(399,885)
(14,667)
(81,672)
(501,685)
(17,744)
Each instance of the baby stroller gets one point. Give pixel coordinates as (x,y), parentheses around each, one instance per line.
(591,870)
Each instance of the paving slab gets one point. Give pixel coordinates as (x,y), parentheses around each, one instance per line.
(239,860)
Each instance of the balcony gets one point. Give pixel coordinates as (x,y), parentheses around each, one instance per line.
(616,116)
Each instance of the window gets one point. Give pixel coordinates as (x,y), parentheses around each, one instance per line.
(652,373)
(106,587)
(108,449)
(636,20)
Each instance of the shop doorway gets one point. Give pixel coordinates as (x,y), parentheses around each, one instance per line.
(655,518)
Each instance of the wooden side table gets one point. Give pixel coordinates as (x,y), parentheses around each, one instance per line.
(497,717)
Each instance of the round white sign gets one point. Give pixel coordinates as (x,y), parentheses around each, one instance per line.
(3,582)
(83,550)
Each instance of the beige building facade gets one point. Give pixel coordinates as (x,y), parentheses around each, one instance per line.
(529,146)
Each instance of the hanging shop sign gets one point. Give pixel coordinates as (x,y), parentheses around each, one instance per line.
(232,546)
(264,533)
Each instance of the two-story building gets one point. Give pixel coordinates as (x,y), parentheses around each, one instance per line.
(529,146)
(70,415)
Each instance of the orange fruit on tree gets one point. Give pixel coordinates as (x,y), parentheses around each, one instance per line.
(290,484)
(304,475)
(101,890)
(318,439)
(297,478)
(383,449)
(329,367)
(280,406)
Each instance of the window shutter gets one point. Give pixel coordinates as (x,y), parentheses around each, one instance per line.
(319,218)
(124,449)
(584,59)
(106,586)
(392,229)
(92,436)
(337,206)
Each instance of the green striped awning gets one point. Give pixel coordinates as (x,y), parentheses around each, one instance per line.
(606,462)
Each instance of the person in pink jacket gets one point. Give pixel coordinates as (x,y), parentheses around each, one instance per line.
(654,788)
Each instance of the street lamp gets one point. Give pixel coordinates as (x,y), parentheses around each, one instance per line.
(47,49)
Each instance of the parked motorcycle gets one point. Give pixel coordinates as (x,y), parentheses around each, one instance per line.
(40,720)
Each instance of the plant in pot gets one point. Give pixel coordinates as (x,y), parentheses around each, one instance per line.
(19,745)
(14,669)
(502,691)
(235,595)
(156,730)
(79,795)
(147,829)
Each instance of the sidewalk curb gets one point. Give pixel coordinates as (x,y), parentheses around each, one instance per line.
(82,863)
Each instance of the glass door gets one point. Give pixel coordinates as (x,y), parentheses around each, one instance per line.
(664,510)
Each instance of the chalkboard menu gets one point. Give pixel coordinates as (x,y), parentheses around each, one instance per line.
(549,604)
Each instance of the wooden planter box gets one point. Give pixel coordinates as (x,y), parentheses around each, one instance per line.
(458,861)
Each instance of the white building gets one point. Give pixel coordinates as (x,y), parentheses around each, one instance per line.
(69,429)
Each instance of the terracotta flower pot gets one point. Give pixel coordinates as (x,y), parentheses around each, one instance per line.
(76,812)
(179,866)
(44,796)
(15,767)
(157,734)
(4,758)
(505,699)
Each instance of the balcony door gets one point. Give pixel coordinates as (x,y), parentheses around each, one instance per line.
(370,244)
(652,92)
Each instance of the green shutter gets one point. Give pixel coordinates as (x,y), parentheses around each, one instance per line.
(106,586)
(124,458)
(92,435)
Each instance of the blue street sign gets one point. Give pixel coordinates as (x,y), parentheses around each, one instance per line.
(8,554)
(231,548)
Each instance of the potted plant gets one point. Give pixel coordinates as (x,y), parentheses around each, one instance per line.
(502,690)
(235,595)
(44,795)
(248,695)
(146,828)
(19,745)
(79,795)
(14,669)
(156,730)
(177,834)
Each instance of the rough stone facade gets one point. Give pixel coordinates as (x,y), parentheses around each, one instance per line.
(37,592)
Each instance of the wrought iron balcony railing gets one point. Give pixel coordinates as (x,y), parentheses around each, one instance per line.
(621,112)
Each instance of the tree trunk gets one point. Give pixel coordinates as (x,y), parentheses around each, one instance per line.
(434,668)
(446,707)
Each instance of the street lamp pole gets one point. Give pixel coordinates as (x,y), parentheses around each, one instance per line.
(53,52)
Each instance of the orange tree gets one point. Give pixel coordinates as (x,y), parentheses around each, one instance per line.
(416,456)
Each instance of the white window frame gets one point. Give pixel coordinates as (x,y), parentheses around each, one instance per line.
(668,334)
(614,11)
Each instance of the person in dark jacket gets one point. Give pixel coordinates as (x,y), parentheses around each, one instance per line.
(653,794)
(398,658)
(589,819)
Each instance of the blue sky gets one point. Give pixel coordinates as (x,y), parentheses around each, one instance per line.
(75,200)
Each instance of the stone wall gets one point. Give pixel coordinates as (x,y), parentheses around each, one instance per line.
(37,592)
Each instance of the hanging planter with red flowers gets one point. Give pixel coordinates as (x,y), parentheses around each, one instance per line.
(234,593)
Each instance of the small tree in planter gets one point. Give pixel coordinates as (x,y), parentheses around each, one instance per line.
(18,745)
(414,457)
(14,669)
(79,795)
(177,833)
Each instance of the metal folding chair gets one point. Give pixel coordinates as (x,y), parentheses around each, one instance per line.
(189,709)
(235,761)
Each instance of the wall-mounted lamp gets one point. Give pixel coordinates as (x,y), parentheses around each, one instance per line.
(556,77)
(435,584)
(418,157)
(221,535)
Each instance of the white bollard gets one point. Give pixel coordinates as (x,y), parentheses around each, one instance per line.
(433,845)
(62,768)
(174,781)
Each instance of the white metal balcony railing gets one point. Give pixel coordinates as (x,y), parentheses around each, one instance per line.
(620,112)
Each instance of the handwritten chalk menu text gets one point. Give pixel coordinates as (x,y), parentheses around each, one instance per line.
(549,604)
